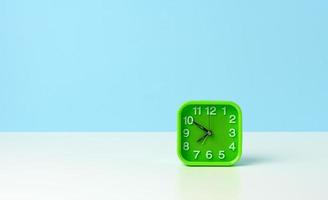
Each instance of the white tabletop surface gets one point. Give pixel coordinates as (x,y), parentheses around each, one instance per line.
(114,166)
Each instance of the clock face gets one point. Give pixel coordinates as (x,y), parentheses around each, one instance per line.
(209,133)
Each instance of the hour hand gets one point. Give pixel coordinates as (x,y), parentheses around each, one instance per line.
(201,127)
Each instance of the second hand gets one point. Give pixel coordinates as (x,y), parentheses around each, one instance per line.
(205,139)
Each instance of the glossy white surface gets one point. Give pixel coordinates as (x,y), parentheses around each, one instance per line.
(92,166)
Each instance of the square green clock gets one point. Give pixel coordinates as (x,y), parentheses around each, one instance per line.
(209,133)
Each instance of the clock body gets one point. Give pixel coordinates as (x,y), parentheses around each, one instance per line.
(209,133)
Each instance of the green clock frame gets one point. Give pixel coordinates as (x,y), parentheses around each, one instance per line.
(220,149)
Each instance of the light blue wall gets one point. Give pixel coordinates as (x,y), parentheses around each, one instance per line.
(128,65)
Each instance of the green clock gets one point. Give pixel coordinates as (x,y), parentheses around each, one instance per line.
(209,133)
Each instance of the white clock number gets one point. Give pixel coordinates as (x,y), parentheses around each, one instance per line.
(224,110)
(210,110)
(209,155)
(196,152)
(232,119)
(232,132)
(221,155)
(186,146)
(188,120)
(197,110)
(186,132)
(232,146)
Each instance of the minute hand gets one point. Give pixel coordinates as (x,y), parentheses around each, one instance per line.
(201,127)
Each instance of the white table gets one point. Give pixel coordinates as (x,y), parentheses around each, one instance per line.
(113,166)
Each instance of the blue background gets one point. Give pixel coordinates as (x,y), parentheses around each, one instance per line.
(128,65)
